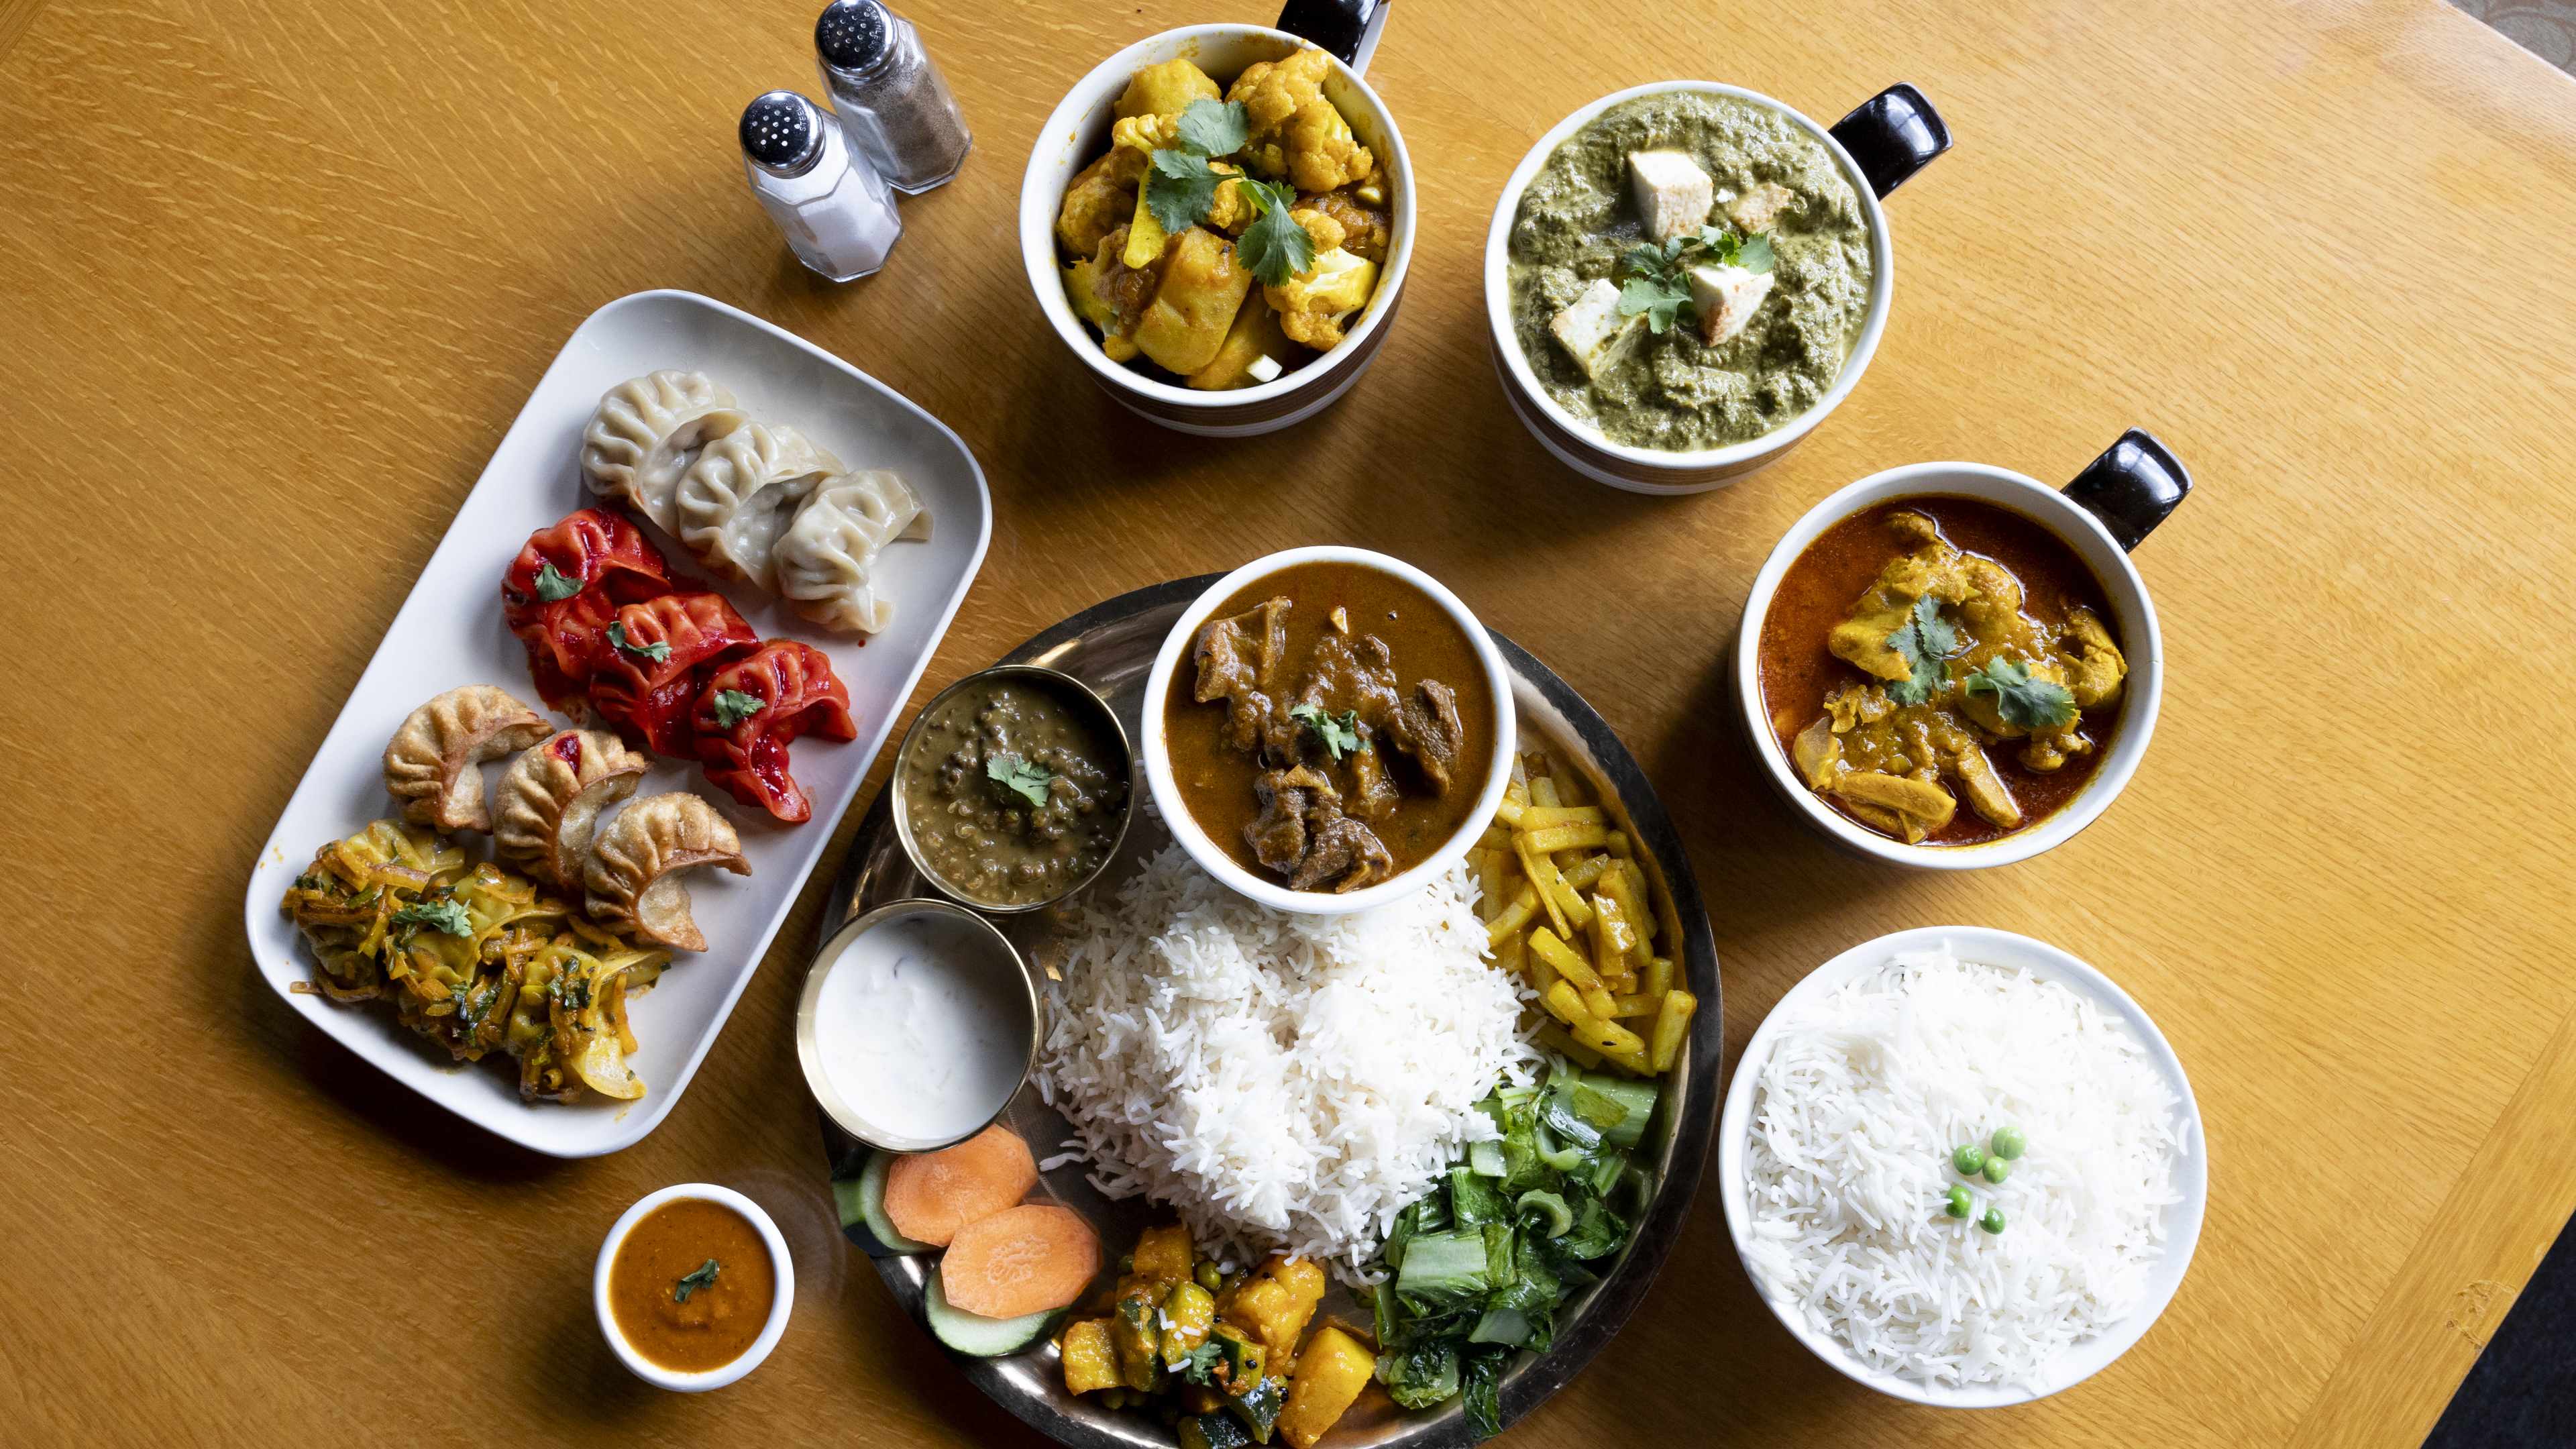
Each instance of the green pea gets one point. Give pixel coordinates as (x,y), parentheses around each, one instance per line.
(1960,1202)
(1993,1221)
(1209,1278)
(1968,1159)
(2008,1143)
(1997,1169)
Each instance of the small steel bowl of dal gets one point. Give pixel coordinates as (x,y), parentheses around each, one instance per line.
(1013,788)
(917,1025)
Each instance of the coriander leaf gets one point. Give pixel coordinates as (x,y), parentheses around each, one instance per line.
(1276,246)
(734,706)
(1021,778)
(1923,641)
(2022,698)
(1340,737)
(1214,128)
(1180,188)
(658,653)
(704,1277)
(553,585)
(1755,255)
(1656,299)
(448,918)
(1198,1365)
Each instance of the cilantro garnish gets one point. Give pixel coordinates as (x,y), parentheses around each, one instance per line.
(1276,246)
(553,584)
(448,918)
(2023,699)
(1180,185)
(1340,737)
(1923,641)
(1658,285)
(733,706)
(704,1277)
(658,653)
(1021,778)
(1198,1365)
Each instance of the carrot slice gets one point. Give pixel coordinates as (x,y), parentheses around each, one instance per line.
(1027,1260)
(931,1195)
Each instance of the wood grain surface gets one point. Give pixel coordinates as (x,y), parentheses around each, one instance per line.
(275,277)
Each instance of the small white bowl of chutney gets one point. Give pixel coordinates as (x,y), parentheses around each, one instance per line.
(692,1287)
(917,1025)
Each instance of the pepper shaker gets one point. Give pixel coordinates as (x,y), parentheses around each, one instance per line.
(833,207)
(890,95)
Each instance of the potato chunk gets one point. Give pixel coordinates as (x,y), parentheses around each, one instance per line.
(1164,90)
(1203,285)
(1330,1374)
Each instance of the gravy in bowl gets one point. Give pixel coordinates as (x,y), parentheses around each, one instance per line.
(1331,727)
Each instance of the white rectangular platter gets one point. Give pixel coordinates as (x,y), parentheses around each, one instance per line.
(449,633)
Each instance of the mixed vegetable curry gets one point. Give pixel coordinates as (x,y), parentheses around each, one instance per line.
(1939,648)
(1332,728)
(1225,241)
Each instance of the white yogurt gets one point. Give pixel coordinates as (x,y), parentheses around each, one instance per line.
(922,1027)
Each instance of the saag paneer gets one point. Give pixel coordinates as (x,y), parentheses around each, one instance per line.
(1934,649)
(1332,727)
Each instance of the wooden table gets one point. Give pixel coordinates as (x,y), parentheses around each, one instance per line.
(277,276)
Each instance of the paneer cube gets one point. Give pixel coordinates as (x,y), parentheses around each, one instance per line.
(1593,333)
(1726,299)
(1760,207)
(1673,195)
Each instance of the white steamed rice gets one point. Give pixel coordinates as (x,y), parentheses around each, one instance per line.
(1282,1082)
(1859,1107)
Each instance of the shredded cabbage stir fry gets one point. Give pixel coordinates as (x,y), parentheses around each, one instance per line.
(476,959)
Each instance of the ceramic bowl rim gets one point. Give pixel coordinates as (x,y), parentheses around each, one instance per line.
(782,1269)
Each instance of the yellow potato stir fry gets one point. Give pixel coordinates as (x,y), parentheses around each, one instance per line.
(1205,199)
(1569,905)
(1218,1354)
(474,959)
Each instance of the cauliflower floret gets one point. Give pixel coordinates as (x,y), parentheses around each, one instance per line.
(1312,304)
(1165,90)
(1321,227)
(1365,231)
(1144,134)
(1098,201)
(1322,152)
(1295,131)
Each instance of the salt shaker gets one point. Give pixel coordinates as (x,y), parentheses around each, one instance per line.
(834,208)
(889,94)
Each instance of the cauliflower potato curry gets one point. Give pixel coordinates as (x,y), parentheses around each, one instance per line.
(1934,648)
(1226,237)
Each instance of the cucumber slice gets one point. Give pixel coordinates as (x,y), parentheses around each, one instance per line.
(981,1337)
(863,1218)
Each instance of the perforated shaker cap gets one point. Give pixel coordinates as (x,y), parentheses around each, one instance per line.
(851,34)
(782,133)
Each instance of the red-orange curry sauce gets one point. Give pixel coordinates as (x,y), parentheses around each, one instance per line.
(1817,592)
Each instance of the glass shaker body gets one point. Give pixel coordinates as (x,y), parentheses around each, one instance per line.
(838,215)
(896,105)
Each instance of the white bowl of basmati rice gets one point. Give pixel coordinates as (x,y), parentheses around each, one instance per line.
(1834,1165)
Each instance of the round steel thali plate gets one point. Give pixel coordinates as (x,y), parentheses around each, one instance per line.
(1111,647)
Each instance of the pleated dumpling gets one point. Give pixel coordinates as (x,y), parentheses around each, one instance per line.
(633,878)
(550,799)
(648,431)
(735,501)
(429,763)
(827,558)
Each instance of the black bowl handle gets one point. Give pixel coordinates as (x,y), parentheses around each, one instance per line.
(2131,487)
(1892,135)
(1347,28)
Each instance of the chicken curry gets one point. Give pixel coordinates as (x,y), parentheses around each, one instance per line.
(1332,727)
(1935,650)
(1226,237)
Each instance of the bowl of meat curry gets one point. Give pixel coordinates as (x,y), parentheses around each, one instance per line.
(1327,729)
(1953,666)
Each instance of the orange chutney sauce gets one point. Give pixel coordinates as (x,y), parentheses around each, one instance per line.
(684,1323)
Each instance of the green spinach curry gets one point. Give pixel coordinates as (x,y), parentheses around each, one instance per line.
(1688,271)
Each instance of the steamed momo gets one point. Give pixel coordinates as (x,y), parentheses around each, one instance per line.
(826,560)
(649,431)
(734,502)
